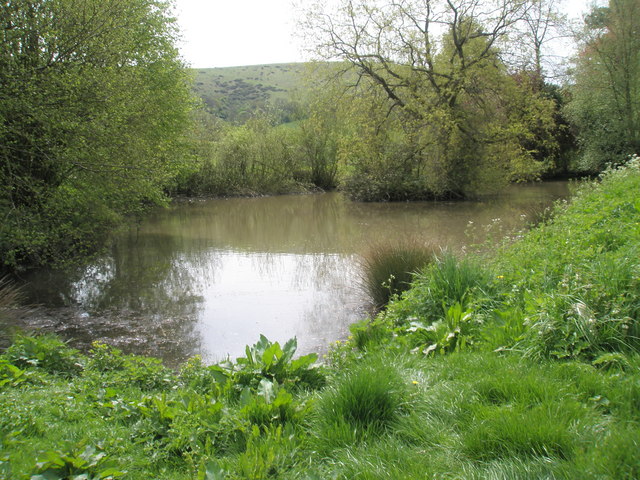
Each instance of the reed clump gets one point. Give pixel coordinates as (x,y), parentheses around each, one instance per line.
(388,269)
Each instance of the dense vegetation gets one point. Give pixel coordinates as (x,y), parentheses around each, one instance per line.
(435,103)
(94,107)
(520,364)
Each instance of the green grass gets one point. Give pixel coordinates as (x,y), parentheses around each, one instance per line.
(388,270)
(234,93)
(361,404)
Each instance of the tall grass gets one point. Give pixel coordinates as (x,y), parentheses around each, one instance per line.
(10,294)
(363,403)
(389,269)
(448,281)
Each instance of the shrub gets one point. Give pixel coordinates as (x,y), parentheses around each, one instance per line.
(267,360)
(146,373)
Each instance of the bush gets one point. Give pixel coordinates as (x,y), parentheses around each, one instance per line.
(146,373)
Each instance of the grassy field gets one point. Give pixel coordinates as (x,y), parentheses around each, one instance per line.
(519,365)
(232,93)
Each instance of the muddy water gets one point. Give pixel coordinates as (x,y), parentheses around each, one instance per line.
(208,277)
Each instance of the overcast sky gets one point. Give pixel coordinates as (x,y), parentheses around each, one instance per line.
(225,33)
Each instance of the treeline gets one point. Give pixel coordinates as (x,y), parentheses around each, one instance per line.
(439,103)
(97,122)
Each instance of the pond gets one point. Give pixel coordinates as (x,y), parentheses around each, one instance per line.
(208,277)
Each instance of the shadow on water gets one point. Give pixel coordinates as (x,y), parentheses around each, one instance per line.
(207,277)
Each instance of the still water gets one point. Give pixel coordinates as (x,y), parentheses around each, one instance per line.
(209,276)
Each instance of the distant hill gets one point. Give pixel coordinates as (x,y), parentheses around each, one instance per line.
(233,93)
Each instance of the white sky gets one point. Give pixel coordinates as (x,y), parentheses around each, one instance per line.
(225,33)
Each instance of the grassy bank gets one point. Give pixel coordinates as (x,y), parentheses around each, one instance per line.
(521,365)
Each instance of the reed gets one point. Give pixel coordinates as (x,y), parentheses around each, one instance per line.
(388,269)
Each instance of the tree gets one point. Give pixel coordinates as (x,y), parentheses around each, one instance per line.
(605,107)
(94,102)
(438,66)
(541,25)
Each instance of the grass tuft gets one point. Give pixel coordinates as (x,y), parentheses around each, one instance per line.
(362,403)
(388,270)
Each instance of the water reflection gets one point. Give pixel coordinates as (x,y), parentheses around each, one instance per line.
(209,276)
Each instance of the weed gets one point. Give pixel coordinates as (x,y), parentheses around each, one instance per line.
(144,372)
(45,352)
(268,360)
(370,333)
(86,462)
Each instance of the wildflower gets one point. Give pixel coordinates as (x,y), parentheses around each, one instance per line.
(415,382)
(500,277)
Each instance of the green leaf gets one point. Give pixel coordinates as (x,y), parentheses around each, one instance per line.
(266,390)
(219,375)
(245,397)
(261,346)
(304,361)
(289,350)
(271,355)
(110,472)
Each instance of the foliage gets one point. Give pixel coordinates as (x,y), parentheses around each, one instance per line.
(45,352)
(268,361)
(87,463)
(445,282)
(430,108)
(93,107)
(144,372)
(252,159)
(575,278)
(605,105)
(536,376)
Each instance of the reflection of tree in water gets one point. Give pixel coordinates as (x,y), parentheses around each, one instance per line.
(340,301)
(144,297)
(143,273)
(445,223)
(291,224)
(337,299)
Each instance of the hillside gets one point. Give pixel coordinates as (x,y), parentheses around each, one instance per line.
(232,93)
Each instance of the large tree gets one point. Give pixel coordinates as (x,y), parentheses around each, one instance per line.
(94,101)
(438,66)
(605,107)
